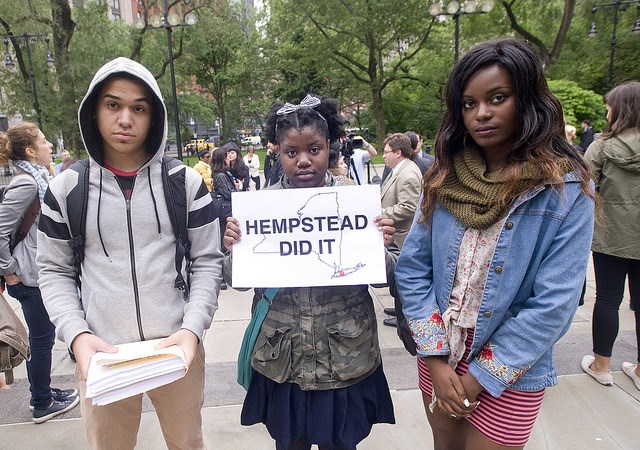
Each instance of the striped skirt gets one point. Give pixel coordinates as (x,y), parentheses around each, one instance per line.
(506,420)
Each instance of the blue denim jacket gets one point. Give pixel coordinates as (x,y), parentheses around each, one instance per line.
(532,288)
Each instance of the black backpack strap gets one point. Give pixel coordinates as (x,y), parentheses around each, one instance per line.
(77,200)
(175,192)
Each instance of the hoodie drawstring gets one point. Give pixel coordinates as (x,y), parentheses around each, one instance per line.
(104,249)
(153,199)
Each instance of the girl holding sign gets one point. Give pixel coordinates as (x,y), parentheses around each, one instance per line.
(492,269)
(318,376)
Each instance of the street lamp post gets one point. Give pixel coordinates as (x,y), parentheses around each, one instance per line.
(28,39)
(456,9)
(616,6)
(168,22)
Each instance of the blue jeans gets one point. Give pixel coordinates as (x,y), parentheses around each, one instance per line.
(41,339)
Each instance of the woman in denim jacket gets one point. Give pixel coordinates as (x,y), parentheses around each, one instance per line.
(491,271)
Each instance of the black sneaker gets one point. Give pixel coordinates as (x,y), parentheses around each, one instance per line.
(58,394)
(390,311)
(392,322)
(56,408)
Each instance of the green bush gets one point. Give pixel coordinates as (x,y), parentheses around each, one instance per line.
(579,104)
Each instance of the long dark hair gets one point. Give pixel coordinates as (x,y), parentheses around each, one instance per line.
(541,138)
(624,104)
(237,167)
(219,160)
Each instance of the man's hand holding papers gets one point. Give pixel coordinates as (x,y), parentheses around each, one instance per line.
(186,340)
(135,368)
(84,346)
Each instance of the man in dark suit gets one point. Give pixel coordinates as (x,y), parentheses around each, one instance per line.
(272,165)
(587,135)
(423,160)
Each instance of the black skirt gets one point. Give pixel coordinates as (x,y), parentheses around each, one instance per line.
(338,418)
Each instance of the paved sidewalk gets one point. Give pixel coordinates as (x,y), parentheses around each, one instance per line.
(576,414)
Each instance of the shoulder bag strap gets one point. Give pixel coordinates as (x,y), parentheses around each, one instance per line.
(270,294)
(28,219)
(245,372)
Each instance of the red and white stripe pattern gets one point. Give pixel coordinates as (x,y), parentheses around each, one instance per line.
(506,420)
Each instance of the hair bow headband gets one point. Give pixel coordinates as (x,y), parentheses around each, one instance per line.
(308,102)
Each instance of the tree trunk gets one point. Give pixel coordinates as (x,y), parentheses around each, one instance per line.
(63,27)
(549,56)
(376,94)
(225,134)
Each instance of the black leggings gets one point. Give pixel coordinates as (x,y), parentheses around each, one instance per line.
(611,272)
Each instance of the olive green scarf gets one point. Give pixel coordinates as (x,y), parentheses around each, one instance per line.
(472,195)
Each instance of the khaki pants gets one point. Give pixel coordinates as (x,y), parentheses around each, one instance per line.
(178,406)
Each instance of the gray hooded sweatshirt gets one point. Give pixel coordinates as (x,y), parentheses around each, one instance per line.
(128,271)
(615,168)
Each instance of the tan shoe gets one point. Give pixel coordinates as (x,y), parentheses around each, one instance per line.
(603,378)
(630,370)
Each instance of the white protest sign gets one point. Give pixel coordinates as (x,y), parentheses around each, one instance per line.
(308,237)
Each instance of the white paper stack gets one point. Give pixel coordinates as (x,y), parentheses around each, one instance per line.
(134,369)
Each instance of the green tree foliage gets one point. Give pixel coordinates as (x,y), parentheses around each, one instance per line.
(255,86)
(37,17)
(579,104)
(82,39)
(295,63)
(371,41)
(214,47)
(80,44)
(547,35)
(585,60)
(386,63)
(417,104)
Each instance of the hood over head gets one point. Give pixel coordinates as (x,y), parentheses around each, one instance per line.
(130,69)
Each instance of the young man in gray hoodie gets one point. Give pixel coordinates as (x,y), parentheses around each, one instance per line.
(128,271)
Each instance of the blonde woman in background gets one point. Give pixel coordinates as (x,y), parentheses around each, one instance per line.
(570,132)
